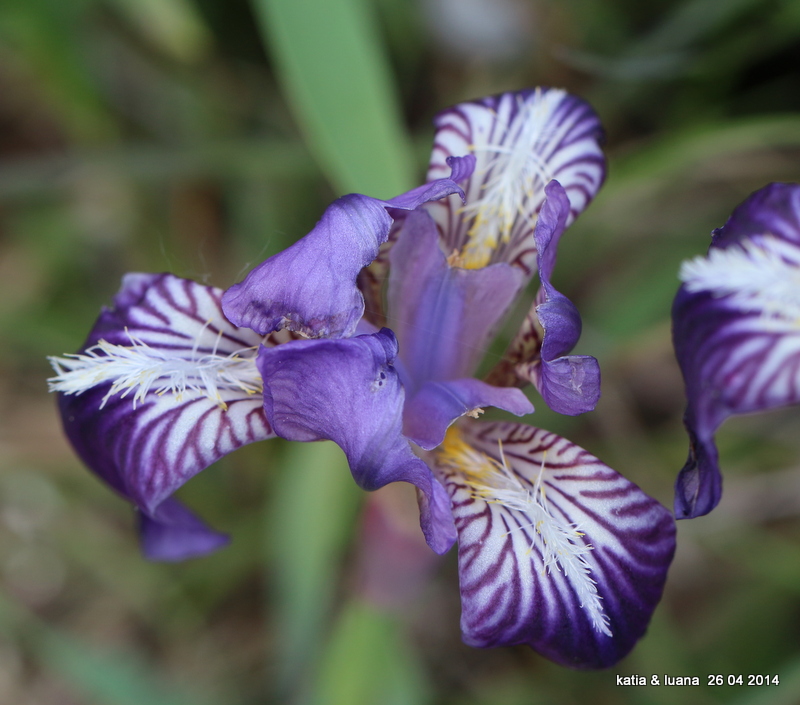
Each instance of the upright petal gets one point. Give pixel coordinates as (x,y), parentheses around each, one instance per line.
(735,331)
(348,391)
(310,287)
(555,549)
(164,387)
(569,384)
(522,141)
(444,315)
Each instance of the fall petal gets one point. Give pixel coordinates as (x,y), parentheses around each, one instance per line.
(164,387)
(556,550)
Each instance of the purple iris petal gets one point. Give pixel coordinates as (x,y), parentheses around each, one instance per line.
(173,330)
(461,168)
(555,549)
(176,534)
(444,316)
(521,141)
(773,209)
(429,413)
(311,286)
(348,391)
(569,384)
(735,332)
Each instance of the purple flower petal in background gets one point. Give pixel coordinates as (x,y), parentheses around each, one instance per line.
(555,549)
(735,331)
(522,141)
(164,387)
(348,391)
(310,287)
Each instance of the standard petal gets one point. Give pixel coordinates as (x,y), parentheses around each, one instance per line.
(164,388)
(310,287)
(522,141)
(349,392)
(556,550)
(735,332)
(444,315)
(431,411)
(569,384)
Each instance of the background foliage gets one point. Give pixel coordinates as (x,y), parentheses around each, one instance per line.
(200,136)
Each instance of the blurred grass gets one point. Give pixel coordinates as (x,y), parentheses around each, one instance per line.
(114,678)
(201,136)
(338,79)
(309,522)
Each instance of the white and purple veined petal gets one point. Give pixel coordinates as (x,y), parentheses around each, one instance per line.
(736,331)
(310,287)
(569,384)
(348,391)
(164,386)
(556,550)
(521,141)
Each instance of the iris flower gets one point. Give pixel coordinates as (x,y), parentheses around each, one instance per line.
(735,331)
(368,332)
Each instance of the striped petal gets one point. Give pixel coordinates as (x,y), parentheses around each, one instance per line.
(164,387)
(522,141)
(735,331)
(556,550)
(311,286)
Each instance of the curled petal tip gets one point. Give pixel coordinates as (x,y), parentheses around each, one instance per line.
(310,287)
(175,534)
(570,385)
(461,169)
(698,488)
(436,517)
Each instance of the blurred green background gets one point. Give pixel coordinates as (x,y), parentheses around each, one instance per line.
(199,137)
